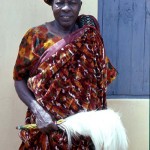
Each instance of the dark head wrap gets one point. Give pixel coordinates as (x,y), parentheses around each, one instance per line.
(49,2)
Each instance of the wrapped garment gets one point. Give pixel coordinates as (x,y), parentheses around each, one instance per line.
(66,76)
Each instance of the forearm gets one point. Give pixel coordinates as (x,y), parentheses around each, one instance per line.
(26,96)
(43,118)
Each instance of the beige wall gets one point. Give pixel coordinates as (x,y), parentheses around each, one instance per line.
(16,17)
(135,117)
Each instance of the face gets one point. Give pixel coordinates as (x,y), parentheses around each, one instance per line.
(66,12)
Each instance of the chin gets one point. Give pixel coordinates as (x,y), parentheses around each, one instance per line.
(67,25)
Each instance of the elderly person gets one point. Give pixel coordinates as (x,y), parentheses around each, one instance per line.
(61,69)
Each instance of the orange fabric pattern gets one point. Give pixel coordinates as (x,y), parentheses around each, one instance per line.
(73,79)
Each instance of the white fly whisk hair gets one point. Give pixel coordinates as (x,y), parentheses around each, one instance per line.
(104,127)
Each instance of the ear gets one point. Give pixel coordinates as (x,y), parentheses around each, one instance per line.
(52,3)
(52,6)
(80,4)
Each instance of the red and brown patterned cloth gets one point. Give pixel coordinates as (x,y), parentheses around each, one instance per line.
(73,79)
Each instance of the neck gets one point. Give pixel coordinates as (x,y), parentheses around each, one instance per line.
(62,31)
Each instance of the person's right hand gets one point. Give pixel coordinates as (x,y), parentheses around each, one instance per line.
(43,118)
(45,122)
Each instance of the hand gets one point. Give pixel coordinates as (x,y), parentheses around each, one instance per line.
(44,122)
(43,118)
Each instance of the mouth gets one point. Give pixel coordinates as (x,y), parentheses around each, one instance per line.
(66,17)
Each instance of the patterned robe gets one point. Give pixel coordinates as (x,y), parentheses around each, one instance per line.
(73,79)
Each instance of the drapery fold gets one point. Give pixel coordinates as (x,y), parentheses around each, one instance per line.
(70,76)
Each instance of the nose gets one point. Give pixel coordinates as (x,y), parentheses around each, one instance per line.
(66,7)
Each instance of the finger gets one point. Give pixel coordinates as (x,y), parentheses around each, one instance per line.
(44,130)
(39,124)
(49,128)
(54,126)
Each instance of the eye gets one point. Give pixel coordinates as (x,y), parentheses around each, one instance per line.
(72,2)
(59,3)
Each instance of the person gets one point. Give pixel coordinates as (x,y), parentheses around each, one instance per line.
(61,69)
